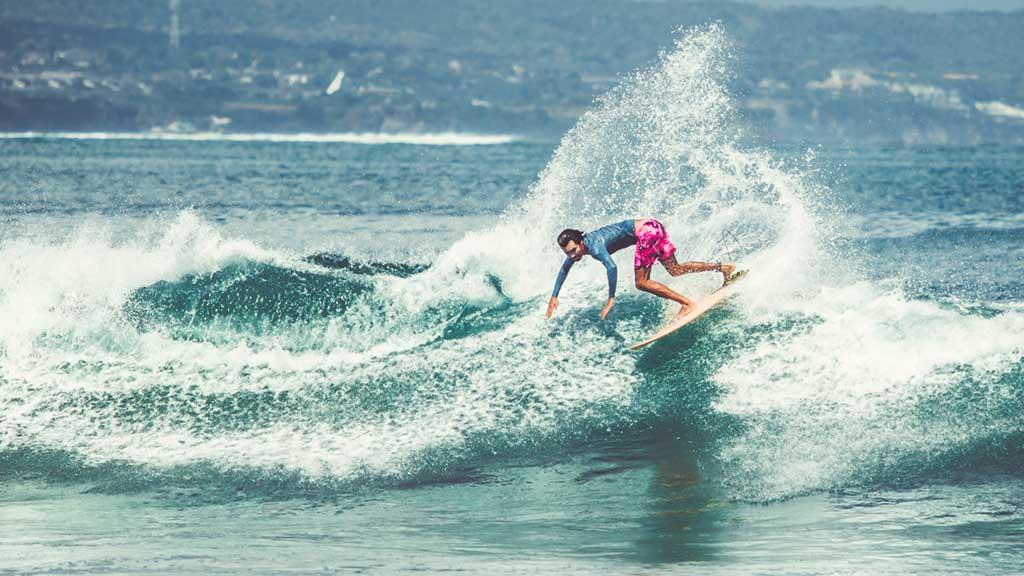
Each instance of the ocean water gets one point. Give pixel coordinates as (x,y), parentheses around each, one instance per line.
(306,356)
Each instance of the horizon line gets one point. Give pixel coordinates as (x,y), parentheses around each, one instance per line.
(413,138)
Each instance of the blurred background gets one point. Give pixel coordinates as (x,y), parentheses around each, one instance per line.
(851,71)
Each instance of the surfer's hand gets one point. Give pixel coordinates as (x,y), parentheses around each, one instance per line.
(727,269)
(552,304)
(607,307)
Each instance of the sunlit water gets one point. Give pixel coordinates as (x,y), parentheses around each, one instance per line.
(303,356)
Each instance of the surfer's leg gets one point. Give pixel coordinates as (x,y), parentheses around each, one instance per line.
(644,283)
(676,269)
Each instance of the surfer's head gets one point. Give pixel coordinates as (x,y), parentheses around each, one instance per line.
(571,242)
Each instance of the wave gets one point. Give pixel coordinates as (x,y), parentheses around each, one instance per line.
(250,298)
(418,139)
(865,385)
(186,350)
(343,262)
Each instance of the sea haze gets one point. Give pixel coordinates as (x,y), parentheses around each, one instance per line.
(805,74)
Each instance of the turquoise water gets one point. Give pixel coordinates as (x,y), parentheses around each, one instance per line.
(303,357)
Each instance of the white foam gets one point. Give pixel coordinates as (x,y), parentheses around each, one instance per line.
(69,286)
(661,145)
(823,376)
(422,139)
(837,398)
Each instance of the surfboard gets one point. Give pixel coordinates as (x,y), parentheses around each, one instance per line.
(703,305)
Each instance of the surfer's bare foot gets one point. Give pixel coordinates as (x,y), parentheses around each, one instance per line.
(727,270)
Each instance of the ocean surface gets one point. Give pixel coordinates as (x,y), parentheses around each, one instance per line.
(288,355)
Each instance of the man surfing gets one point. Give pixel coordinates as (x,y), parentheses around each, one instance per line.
(652,244)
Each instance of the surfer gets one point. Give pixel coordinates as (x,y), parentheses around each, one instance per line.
(652,244)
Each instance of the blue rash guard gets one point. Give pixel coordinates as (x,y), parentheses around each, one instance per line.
(601,244)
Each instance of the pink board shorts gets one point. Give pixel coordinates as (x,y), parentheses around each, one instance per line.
(652,243)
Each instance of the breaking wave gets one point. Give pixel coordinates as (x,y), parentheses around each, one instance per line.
(195,351)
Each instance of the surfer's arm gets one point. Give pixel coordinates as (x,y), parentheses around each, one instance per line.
(613,272)
(561,276)
(613,278)
(553,302)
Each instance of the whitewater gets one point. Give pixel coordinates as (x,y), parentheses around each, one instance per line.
(297,336)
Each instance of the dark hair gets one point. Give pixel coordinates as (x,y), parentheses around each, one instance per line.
(568,235)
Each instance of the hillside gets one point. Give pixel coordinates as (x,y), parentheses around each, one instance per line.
(532,67)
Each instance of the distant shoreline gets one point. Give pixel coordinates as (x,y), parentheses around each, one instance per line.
(428,139)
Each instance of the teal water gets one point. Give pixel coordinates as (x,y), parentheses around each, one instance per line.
(271,357)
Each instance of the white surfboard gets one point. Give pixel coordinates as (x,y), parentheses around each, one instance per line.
(703,305)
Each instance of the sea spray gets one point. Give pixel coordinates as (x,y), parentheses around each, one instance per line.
(864,385)
(187,356)
(193,354)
